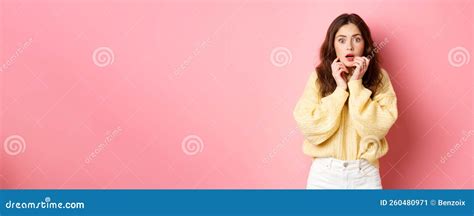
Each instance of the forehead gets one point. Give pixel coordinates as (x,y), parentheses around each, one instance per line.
(348,30)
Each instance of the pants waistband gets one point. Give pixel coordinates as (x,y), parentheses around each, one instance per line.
(343,164)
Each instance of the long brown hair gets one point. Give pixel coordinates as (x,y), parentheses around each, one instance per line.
(372,77)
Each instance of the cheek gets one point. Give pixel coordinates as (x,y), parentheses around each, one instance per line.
(338,49)
(359,49)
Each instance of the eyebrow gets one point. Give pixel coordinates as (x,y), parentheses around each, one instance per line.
(345,36)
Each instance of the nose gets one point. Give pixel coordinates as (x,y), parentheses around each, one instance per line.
(349,46)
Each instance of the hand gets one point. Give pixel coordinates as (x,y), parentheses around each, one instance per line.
(339,72)
(361,63)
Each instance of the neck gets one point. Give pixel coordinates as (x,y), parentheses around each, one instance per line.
(351,70)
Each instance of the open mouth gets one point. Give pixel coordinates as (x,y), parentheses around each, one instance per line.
(350,57)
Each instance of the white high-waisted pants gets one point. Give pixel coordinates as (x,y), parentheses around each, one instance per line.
(331,173)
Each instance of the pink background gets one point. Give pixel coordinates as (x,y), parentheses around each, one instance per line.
(226,75)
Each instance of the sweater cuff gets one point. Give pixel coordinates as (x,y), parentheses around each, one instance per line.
(338,97)
(358,89)
(341,93)
(355,84)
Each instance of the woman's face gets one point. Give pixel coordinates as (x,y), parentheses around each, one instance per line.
(348,44)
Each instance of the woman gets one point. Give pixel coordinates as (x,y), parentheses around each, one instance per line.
(347,108)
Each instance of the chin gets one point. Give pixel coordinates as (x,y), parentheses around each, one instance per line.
(349,64)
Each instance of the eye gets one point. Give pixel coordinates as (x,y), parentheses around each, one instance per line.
(358,39)
(341,40)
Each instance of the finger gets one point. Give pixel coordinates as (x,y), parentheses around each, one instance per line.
(363,62)
(367,61)
(335,70)
(361,57)
(343,67)
(335,60)
(341,71)
(359,61)
(338,66)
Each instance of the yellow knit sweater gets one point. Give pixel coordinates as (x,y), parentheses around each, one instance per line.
(346,125)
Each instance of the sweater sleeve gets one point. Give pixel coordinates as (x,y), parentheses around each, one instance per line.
(372,117)
(319,118)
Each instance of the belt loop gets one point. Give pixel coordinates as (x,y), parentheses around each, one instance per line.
(330,162)
(359,163)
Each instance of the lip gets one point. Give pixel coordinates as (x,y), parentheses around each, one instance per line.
(350,57)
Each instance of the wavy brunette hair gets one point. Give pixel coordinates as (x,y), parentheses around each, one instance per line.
(372,77)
